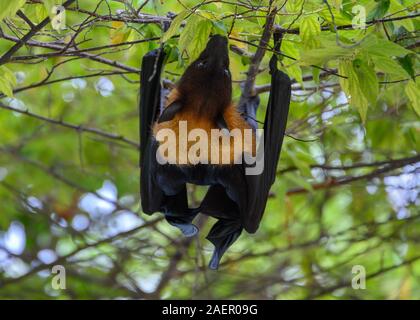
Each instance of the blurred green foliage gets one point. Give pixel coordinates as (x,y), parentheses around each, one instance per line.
(347,191)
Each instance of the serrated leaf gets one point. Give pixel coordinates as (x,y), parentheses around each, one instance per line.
(336,4)
(7,81)
(30,12)
(9,75)
(351,86)
(41,12)
(9,8)
(368,81)
(188,35)
(119,32)
(388,65)
(195,36)
(294,6)
(6,88)
(408,65)
(412,89)
(322,55)
(399,11)
(380,10)
(376,46)
(175,25)
(339,17)
(219,28)
(292,67)
(309,30)
(49,4)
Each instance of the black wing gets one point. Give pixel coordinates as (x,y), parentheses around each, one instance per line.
(150,92)
(274,129)
(174,204)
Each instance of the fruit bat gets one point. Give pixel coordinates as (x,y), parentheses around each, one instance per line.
(202,99)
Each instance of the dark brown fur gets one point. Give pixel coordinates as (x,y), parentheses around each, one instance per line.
(205,94)
(205,88)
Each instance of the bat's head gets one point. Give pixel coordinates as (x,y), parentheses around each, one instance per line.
(214,58)
(209,75)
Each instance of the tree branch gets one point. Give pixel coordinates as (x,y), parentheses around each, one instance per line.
(78,128)
(6,56)
(247,91)
(335,182)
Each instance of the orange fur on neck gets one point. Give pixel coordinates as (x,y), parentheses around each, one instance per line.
(195,121)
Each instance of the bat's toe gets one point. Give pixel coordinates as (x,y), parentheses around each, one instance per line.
(188,230)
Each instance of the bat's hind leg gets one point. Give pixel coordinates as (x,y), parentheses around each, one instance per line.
(175,204)
(224,233)
(184,222)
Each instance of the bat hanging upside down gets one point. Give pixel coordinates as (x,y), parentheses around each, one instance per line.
(201,137)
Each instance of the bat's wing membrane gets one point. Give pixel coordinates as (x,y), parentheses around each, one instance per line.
(274,129)
(173,204)
(150,90)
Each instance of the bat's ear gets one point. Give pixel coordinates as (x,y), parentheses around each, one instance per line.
(170,111)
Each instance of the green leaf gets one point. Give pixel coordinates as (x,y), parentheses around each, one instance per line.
(9,8)
(351,86)
(315,74)
(171,53)
(49,4)
(368,81)
(292,67)
(309,30)
(339,18)
(412,89)
(380,10)
(41,13)
(407,63)
(219,28)
(398,11)
(188,34)
(299,181)
(7,81)
(175,25)
(195,36)
(9,75)
(382,47)
(294,6)
(388,65)
(320,56)
(6,88)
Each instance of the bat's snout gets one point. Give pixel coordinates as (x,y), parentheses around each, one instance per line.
(218,46)
(215,57)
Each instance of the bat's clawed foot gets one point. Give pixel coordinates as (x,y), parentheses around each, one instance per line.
(215,260)
(184,222)
(223,234)
(188,230)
